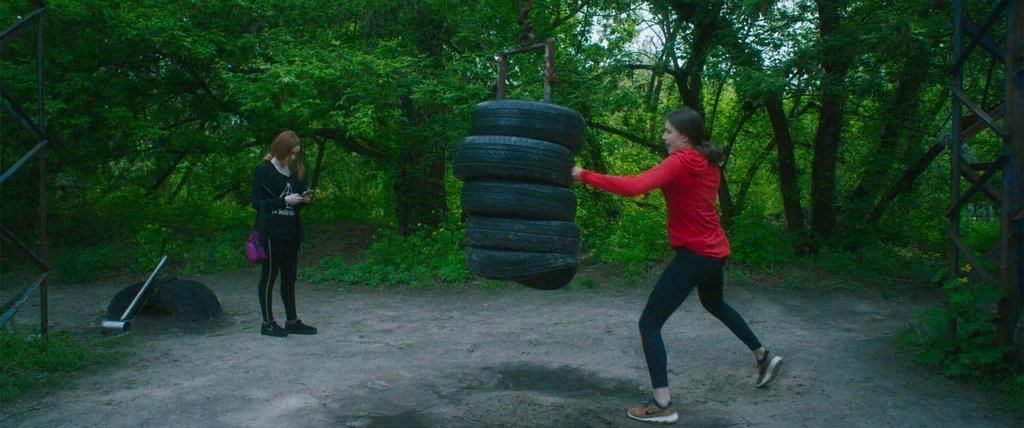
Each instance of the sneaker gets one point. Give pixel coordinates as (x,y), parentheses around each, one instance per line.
(652,412)
(273,329)
(298,327)
(767,369)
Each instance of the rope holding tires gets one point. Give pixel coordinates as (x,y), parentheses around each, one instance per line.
(515,165)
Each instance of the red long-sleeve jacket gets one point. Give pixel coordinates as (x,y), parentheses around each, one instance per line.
(690,185)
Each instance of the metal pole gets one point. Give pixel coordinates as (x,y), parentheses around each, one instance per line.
(955,143)
(123,323)
(1012,217)
(44,291)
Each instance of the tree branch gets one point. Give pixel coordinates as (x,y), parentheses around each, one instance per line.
(656,149)
(346,141)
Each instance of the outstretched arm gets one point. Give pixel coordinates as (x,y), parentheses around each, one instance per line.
(632,185)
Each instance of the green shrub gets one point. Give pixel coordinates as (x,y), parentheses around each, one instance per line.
(420,259)
(973,352)
(759,243)
(635,241)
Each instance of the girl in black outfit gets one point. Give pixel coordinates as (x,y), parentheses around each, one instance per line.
(279,192)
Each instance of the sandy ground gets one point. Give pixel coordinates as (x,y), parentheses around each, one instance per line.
(512,357)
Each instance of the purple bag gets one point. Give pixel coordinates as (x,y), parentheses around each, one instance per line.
(254,250)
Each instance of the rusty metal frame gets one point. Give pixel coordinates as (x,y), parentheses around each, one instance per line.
(37,129)
(549,68)
(1010,197)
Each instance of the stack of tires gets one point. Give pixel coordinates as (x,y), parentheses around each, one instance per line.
(516,168)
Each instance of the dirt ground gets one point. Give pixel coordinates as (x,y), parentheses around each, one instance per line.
(511,357)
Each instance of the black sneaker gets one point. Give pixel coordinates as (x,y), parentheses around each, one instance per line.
(273,329)
(298,327)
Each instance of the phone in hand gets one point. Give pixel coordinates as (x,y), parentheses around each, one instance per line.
(308,193)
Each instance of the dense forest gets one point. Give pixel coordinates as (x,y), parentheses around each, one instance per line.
(835,116)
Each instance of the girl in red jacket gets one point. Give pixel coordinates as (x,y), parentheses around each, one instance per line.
(689,179)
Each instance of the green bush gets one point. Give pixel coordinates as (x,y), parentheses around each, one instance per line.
(635,241)
(420,259)
(973,352)
(759,243)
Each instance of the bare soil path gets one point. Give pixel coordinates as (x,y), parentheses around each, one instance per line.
(513,357)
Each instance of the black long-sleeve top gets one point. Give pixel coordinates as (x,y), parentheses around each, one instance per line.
(275,219)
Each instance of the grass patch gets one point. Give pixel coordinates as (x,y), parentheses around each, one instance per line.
(32,362)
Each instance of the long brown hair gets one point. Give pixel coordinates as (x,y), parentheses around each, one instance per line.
(282,148)
(689,123)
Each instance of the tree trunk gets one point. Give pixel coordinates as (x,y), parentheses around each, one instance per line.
(420,194)
(824,204)
(788,184)
(748,179)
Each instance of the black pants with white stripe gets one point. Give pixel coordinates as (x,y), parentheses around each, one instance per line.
(282,259)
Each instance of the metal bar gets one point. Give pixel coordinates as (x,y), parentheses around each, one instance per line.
(143,290)
(44,292)
(975,266)
(9,236)
(996,113)
(549,71)
(991,254)
(32,289)
(1012,228)
(12,32)
(953,229)
(14,110)
(963,54)
(998,164)
(975,179)
(28,156)
(985,41)
(10,303)
(957,93)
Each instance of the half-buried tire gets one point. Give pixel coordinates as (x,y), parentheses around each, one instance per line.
(184,300)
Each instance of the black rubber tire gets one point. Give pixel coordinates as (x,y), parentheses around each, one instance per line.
(530,119)
(188,300)
(543,271)
(492,157)
(185,300)
(206,298)
(535,236)
(123,299)
(518,200)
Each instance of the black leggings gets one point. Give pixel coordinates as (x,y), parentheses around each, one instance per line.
(687,270)
(283,257)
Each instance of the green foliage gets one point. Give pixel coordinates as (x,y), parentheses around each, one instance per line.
(29,362)
(81,264)
(973,352)
(421,259)
(760,243)
(635,240)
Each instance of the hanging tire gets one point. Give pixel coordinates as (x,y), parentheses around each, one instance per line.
(518,200)
(530,119)
(512,158)
(544,271)
(536,236)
